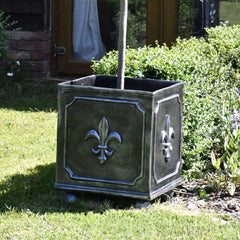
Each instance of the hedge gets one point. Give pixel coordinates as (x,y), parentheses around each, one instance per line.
(209,67)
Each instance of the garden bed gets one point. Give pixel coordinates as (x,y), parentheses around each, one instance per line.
(198,195)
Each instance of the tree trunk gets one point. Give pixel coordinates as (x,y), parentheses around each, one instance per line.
(122,43)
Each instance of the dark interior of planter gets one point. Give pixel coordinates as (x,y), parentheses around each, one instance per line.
(144,84)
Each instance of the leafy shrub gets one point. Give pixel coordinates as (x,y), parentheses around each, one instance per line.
(3,36)
(226,154)
(210,70)
(9,70)
(226,41)
(5,24)
(10,80)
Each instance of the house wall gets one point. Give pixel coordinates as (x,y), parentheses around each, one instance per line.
(32,49)
(31,44)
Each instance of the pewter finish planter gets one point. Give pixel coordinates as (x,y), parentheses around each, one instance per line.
(119,142)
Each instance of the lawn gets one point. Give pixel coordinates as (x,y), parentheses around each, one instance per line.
(230,11)
(30,208)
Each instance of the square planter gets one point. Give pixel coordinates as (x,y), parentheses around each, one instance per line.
(120,142)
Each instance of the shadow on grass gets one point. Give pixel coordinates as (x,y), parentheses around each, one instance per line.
(33,96)
(35,192)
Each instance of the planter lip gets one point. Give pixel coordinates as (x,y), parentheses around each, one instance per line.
(70,85)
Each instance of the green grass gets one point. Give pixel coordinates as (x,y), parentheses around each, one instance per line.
(30,208)
(230,11)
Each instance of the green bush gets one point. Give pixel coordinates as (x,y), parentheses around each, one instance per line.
(210,69)
(10,72)
(3,36)
(226,153)
(11,80)
(226,41)
(5,24)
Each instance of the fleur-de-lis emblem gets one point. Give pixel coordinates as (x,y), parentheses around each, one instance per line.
(103,137)
(166,136)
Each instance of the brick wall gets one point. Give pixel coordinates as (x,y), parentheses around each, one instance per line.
(32,49)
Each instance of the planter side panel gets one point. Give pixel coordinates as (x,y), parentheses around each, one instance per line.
(166,167)
(104,143)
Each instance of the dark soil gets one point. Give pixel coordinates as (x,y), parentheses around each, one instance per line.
(188,195)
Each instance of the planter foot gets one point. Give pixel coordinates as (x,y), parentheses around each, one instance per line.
(143,204)
(167,196)
(70,197)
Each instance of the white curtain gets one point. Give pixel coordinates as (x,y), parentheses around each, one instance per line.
(87,42)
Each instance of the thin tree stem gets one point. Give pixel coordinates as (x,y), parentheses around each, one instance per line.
(122,43)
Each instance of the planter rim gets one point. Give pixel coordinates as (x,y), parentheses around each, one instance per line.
(70,85)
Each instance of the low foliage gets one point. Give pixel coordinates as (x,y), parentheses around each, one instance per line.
(3,36)
(5,24)
(11,79)
(210,70)
(10,71)
(226,154)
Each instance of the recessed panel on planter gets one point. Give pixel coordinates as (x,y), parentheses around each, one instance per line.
(104,140)
(167,148)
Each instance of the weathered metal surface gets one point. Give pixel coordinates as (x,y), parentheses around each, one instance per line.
(121,142)
(103,138)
